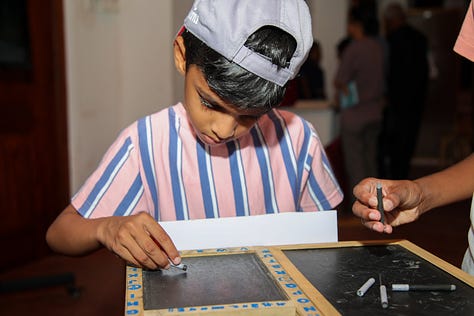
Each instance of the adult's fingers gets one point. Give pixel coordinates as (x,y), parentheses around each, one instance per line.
(405,194)
(361,210)
(370,218)
(364,190)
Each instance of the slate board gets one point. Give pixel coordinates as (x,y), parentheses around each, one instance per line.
(211,280)
(337,273)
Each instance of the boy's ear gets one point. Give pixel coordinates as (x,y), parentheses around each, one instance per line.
(179,55)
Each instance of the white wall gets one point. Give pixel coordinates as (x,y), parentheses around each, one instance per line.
(180,10)
(146,42)
(120,67)
(329,27)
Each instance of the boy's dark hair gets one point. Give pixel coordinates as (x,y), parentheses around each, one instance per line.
(235,84)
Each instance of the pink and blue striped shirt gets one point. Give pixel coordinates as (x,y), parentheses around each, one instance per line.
(159,166)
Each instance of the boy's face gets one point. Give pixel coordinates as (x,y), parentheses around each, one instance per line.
(214,120)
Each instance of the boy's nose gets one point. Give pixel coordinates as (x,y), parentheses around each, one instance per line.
(224,126)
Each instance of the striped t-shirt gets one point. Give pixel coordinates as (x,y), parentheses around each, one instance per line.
(158,165)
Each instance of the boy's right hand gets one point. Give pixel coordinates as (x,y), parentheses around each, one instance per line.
(401,200)
(139,240)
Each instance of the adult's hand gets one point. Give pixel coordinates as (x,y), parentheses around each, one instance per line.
(402,201)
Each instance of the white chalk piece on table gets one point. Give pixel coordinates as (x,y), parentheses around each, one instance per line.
(365,287)
(383,293)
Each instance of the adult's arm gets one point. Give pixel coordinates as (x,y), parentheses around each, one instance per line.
(404,201)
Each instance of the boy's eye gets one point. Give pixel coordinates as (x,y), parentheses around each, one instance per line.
(206,103)
(245,119)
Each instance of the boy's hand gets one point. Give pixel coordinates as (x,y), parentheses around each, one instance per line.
(401,201)
(139,240)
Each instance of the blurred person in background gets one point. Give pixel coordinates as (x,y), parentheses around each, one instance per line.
(361,72)
(311,80)
(407,83)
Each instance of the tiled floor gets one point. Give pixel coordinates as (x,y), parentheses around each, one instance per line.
(100,276)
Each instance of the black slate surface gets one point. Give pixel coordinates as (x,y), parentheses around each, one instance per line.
(338,272)
(211,280)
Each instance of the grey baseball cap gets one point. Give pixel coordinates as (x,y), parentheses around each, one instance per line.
(225,25)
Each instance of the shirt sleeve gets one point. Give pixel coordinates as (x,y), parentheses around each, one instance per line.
(465,42)
(115,188)
(320,189)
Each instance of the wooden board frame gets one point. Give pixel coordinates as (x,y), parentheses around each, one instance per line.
(323,305)
(303,298)
(297,302)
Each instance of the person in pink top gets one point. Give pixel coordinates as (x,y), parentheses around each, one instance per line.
(225,151)
(405,201)
(464,45)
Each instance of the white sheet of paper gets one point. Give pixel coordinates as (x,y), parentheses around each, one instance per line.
(260,230)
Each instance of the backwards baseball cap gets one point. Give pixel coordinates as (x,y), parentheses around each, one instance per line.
(225,25)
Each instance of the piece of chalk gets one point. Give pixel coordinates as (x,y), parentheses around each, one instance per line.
(180,266)
(383,296)
(383,293)
(380,203)
(365,287)
(423,287)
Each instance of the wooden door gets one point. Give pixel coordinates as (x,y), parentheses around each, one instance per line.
(33,129)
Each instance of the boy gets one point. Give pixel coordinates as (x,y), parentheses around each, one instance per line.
(223,152)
